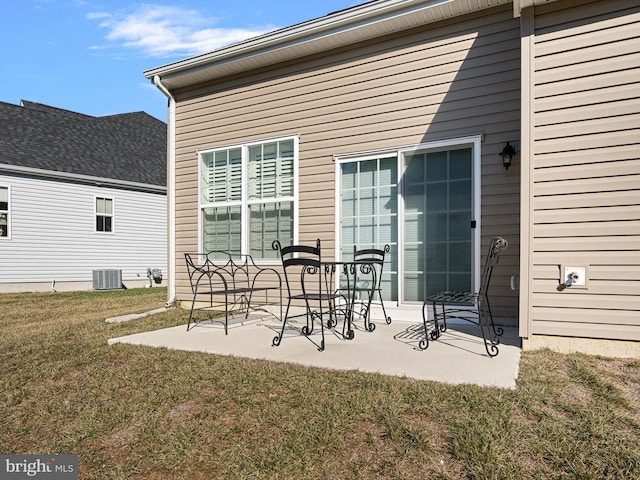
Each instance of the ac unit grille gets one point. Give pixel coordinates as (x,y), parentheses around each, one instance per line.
(107,279)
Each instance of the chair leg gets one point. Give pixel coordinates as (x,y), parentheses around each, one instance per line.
(485,320)
(386,317)
(349,316)
(226,315)
(436,329)
(332,313)
(321,347)
(497,331)
(278,338)
(193,304)
(321,329)
(308,328)
(312,315)
(368,325)
(248,302)
(489,345)
(443,327)
(424,342)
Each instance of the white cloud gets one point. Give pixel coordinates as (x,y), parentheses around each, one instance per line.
(162,31)
(97,15)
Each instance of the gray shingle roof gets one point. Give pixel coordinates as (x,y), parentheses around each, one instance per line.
(130,147)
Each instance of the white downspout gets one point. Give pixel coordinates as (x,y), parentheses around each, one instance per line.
(171,195)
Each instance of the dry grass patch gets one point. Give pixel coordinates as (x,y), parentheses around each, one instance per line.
(145,413)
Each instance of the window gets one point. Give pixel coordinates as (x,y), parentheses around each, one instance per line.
(248,197)
(4,212)
(104,214)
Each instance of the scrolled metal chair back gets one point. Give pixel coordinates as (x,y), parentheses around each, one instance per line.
(497,245)
(304,259)
(373,262)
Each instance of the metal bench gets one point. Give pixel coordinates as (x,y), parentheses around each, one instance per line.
(468,306)
(229,283)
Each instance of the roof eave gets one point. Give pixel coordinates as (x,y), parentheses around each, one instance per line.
(80,178)
(335,30)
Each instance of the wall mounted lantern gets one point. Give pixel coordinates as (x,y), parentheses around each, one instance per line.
(507,154)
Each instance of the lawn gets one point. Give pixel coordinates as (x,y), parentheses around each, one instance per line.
(145,413)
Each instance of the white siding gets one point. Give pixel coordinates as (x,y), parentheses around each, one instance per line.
(53,232)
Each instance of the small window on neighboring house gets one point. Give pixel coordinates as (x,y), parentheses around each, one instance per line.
(104,214)
(4,212)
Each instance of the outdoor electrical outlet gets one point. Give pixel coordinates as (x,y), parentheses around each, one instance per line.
(574,276)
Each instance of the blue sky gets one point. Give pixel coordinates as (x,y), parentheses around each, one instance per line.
(89,56)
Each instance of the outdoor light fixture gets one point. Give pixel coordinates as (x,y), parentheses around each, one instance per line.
(507,154)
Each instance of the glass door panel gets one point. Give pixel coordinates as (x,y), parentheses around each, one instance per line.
(437,241)
(369,213)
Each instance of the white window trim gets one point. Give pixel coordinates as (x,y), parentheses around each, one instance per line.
(8,211)
(245,202)
(474,141)
(113,214)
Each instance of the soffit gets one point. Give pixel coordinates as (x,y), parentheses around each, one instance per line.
(350,26)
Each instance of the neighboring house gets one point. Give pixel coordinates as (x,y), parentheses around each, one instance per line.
(80,194)
(384,123)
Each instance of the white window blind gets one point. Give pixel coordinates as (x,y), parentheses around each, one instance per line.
(221,179)
(271,170)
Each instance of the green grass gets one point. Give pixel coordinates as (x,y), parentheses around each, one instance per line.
(145,413)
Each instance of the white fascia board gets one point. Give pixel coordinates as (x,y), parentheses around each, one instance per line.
(280,36)
(86,179)
(367,15)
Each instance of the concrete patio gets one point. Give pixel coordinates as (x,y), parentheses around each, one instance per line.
(457,357)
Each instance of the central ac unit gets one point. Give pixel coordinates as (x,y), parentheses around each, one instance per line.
(107,279)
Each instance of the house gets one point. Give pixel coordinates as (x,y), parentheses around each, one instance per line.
(82,199)
(385,123)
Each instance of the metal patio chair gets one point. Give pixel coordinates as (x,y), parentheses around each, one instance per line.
(370,262)
(468,306)
(303,274)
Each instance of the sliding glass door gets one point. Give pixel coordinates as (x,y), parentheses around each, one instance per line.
(424,204)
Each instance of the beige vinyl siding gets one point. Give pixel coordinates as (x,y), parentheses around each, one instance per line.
(586,175)
(446,80)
